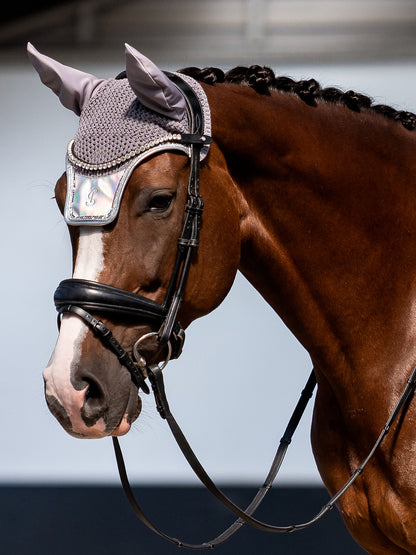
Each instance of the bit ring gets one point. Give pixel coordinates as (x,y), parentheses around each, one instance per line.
(139,358)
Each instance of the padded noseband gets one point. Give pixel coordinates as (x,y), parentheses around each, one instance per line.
(107,300)
(116,304)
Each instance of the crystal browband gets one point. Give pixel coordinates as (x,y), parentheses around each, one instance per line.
(175,137)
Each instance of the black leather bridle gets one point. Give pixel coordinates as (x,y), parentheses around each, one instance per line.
(80,297)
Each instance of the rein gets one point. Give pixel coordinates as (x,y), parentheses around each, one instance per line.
(78,297)
(245,516)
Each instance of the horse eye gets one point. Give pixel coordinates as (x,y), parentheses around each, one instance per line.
(160,203)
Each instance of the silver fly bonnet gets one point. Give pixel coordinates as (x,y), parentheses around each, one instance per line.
(122,122)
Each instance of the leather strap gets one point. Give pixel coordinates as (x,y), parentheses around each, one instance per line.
(114,303)
(156,379)
(106,299)
(110,342)
(194,107)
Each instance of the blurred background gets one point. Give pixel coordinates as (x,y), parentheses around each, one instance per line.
(58,489)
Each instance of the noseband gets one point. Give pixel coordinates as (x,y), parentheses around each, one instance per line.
(80,296)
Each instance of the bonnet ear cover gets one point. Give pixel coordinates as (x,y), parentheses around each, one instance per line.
(73,87)
(122,123)
(151,86)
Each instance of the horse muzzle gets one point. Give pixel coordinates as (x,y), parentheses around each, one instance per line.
(79,296)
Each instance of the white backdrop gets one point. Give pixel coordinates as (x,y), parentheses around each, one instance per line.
(234,430)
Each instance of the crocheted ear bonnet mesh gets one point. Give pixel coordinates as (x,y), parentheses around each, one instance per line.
(116,132)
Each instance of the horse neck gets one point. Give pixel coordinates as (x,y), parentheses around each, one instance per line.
(328,236)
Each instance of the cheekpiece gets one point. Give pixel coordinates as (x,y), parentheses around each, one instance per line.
(116,133)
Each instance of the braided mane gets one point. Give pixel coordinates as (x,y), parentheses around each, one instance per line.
(262,79)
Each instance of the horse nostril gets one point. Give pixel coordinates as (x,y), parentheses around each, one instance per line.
(93,392)
(95,403)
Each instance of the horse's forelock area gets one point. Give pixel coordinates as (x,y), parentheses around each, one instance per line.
(263,80)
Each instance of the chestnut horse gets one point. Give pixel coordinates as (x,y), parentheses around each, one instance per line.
(311,194)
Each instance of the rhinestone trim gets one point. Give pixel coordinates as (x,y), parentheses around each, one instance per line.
(121,159)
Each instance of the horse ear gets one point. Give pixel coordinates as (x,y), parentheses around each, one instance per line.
(152,87)
(73,87)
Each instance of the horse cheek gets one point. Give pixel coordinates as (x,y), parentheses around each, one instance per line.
(213,272)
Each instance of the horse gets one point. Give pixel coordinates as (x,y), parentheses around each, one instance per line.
(311,194)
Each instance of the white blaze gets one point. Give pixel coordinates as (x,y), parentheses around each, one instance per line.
(89,265)
(90,255)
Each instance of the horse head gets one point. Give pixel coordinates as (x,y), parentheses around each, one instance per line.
(123,197)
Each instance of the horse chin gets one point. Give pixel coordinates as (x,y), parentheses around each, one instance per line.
(123,427)
(101,430)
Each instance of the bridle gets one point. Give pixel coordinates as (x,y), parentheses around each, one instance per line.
(81,297)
